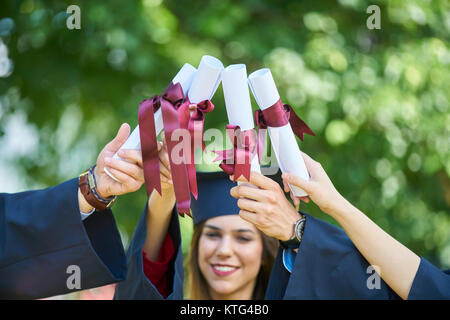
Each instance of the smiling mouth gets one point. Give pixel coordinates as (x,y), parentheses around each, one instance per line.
(223,270)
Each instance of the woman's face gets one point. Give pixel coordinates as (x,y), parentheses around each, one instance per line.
(229,253)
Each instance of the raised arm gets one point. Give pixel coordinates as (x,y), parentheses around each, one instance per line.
(159,208)
(129,172)
(153,244)
(397,265)
(43,236)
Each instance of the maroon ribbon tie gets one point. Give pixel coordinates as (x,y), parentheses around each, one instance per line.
(278,115)
(237,161)
(149,147)
(170,102)
(194,125)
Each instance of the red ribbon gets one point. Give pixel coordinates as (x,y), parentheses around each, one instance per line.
(237,161)
(149,147)
(195,126)
(171,103)
(279,115)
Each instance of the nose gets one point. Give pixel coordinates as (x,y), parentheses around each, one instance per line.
(225,247)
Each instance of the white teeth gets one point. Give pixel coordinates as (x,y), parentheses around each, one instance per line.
(223,268)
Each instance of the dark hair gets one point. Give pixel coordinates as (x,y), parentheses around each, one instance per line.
(198,286)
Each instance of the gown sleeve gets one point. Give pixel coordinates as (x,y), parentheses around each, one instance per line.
(137,285)
(327,266)
(42,235)
(430,283)
(156,272)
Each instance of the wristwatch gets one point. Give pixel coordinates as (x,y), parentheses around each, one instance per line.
(88,185)
(294,242)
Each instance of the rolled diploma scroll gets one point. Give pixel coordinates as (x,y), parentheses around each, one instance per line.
(237,102)
(283,140)
(206,79)
(184,77)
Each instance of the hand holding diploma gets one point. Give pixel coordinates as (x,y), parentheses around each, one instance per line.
(266,206)
(319,187)
(171,110)
(129,170)
(184,78)
(397,264)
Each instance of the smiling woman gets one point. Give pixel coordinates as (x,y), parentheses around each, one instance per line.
(230,259)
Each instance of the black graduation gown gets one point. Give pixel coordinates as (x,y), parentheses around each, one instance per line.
(42,234)
(328,266)
(137,286)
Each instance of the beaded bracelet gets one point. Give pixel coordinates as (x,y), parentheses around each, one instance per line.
(94,189)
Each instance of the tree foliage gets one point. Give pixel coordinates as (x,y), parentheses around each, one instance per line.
(378,100)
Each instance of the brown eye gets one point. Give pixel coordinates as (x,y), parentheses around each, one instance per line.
(244,239)
(212,235)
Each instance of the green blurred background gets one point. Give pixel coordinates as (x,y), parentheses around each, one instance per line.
(378,100)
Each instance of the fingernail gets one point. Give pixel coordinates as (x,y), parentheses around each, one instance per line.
(121,153)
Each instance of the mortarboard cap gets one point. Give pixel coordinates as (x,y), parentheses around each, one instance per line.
(214,197)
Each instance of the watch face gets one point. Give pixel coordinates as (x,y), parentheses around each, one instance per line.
(299,229)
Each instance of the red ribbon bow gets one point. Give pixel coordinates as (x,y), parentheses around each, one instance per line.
(278,115)
(195,126)
(171,103)
(237,161)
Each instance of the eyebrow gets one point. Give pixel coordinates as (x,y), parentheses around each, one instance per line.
(238,230)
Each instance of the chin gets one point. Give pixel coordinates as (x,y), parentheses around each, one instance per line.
(223,287)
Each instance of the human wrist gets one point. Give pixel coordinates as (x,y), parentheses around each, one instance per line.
(341,207)
(87,185)
(167,195)
(164,201)
(168,192)
(290,230)
(297,234)
(102,191)
(84,206)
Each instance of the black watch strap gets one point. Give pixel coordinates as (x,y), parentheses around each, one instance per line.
(290,244)
(296,239)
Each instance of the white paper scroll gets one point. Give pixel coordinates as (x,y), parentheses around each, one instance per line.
(206,79)
(283,140)
(237,101)
(184,77)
